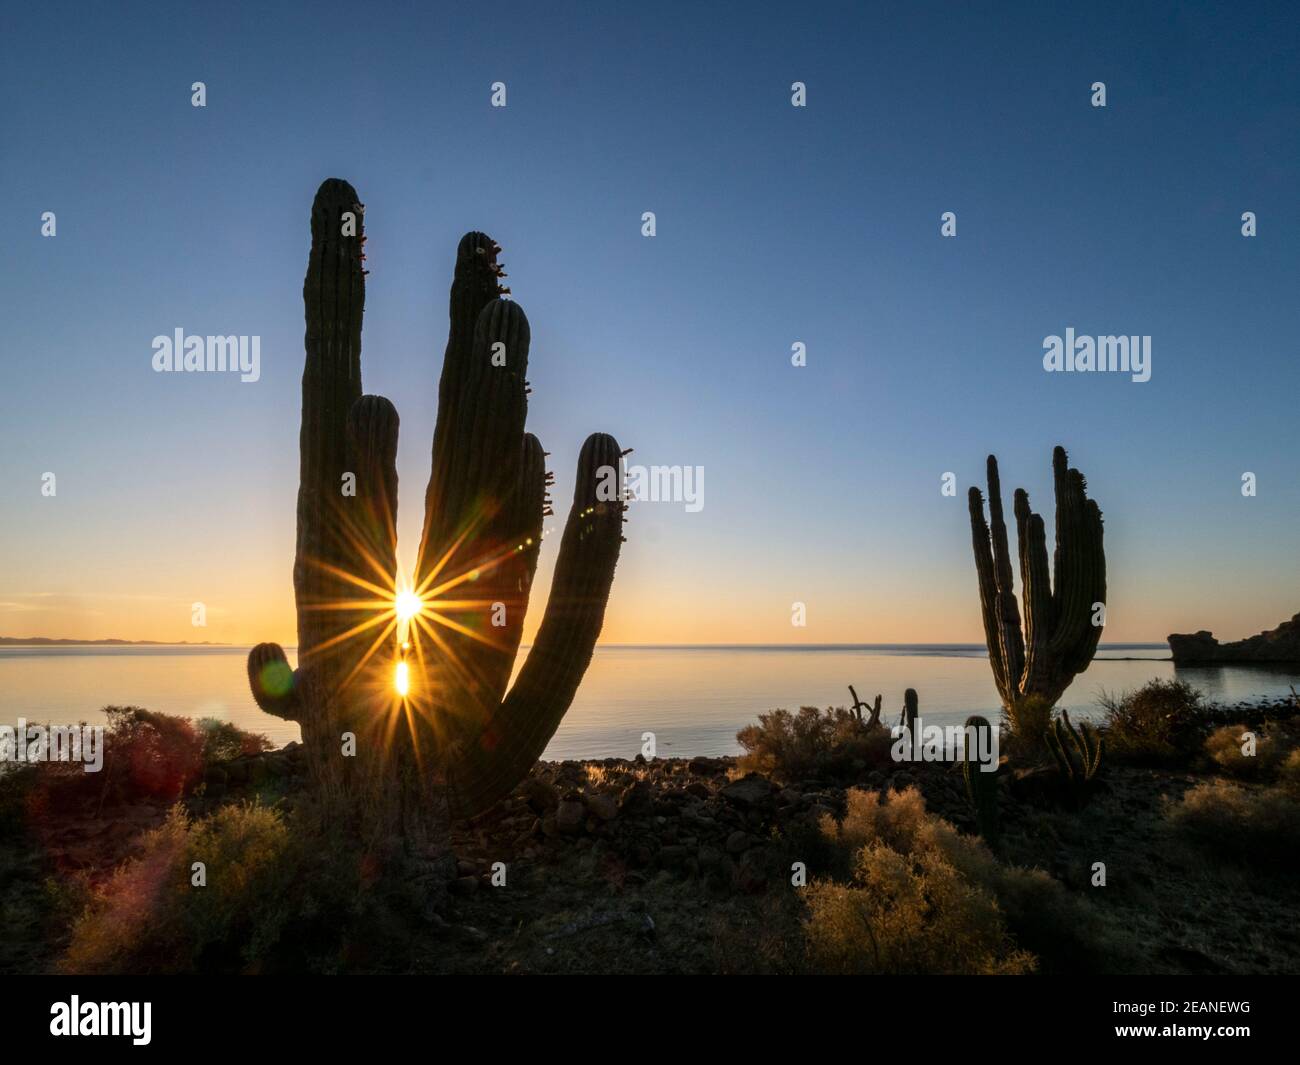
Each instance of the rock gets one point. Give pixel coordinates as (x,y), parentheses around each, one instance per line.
(1274,645)
(814,814)
(749,791)
(569,817)
(540,796)
(715,866)
(751,876)
(698,789)
(672,855)
(603,806)
(464,885)
(1037,786)
(738,842)
(705,767)
(637,800)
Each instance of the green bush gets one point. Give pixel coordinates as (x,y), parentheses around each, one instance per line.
(1161,722)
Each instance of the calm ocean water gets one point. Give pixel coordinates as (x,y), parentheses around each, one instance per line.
(693,698)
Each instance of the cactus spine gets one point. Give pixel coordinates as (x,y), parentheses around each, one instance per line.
(484,509)
(981,786)
(1059,636)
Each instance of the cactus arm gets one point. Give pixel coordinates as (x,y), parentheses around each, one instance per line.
(488,766)
(1036,590)
(527,506)
(1008,613)
(988,588)
(272,682)
(334,292)
(475,284)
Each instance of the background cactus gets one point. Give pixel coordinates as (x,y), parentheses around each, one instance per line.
(908,718)
(981,787)
(460,735)
(1059,636)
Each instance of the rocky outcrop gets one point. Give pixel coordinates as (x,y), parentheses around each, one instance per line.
(1277,645)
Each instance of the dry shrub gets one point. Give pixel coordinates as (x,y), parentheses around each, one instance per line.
(909,907)
(1028,720)
(1255,826)
(1050,929)
(149,918)
(1160,723)
(153,755)
(1224,746)
(811,743)
(1288,775)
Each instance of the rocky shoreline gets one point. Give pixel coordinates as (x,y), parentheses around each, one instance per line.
(1279,646)
(685,865)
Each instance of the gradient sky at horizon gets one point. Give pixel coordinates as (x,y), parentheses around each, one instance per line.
(775,225)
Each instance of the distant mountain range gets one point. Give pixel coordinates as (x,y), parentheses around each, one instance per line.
(45,641)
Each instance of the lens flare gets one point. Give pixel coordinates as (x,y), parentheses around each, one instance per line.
(402,679)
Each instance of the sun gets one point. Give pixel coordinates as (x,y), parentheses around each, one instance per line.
(408,605)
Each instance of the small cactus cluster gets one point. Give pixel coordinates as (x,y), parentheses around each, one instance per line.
(873,719)
(1078,755)
(465,728)
(1062,622)
(981,786)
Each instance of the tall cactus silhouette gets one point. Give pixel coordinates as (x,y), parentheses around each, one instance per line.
(1060,633)
(455,732)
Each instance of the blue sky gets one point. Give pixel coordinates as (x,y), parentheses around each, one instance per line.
(775,224)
